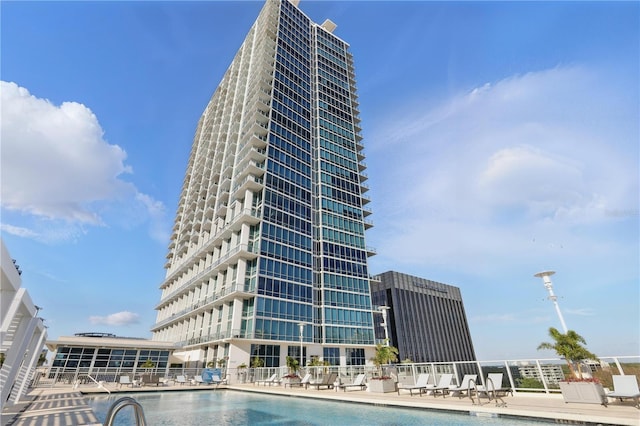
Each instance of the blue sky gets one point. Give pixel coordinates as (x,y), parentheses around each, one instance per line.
(502,139)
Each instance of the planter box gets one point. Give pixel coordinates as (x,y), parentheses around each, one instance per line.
(583,392)
(290,381)
(382,386)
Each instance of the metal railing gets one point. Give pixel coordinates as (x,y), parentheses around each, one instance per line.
(524,375)
(119,405)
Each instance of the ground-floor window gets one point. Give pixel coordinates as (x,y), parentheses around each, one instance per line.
(77,357)
(355,356)
(269,354)
(332,355)
(294,352)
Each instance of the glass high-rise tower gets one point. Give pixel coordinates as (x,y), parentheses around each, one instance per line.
(268,254)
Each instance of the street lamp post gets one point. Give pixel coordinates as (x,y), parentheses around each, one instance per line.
(301,326)
(383,310)
(549,286)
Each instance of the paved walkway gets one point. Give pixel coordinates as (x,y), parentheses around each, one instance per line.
(64,407)
(51,407)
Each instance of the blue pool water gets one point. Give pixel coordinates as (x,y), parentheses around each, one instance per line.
(242,408)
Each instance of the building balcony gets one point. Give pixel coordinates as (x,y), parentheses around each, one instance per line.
(259,129)
(221,211)
(246,216)
(258,155)
(250,168)
(265,83)
(242,251)
(256,142)
(249,183)
(220,297)
(208,213)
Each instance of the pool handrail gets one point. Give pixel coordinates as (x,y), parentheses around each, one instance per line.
(119,405)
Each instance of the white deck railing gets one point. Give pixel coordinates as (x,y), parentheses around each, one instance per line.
(522,375)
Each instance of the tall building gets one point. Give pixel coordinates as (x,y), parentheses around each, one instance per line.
(426,320)
(268,252)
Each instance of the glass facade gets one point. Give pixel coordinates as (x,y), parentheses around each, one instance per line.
(269,233)
(72,358)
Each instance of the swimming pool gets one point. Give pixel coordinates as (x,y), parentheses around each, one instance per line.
(242,408)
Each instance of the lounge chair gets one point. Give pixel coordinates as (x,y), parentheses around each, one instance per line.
(420,385)
(493,384)
(625,387)
(442,386)
(464,386)
(327,381)
(493,389)
(181,380)
(357,383)
(216,380)
(269,381)
(200,381)
(150,379)
(125,380)
(305,380)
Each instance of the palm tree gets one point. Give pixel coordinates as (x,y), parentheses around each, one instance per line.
(384,355)
(257,362)
(293,365)
(148,364)
(569,346)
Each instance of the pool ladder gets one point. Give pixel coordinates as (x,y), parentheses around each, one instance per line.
(490,390)
(119,405)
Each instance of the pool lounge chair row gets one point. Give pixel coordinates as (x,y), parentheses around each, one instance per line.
(493,385)
(327,381)
(199,380)
(144,380)
(422,385)
(625,387)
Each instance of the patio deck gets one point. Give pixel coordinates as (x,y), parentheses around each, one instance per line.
(66,407)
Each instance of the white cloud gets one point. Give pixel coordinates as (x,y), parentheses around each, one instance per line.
(159,230)
(494,318)
(57,168)
(505,173)
(585,312)
(117,319)
(18,231)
